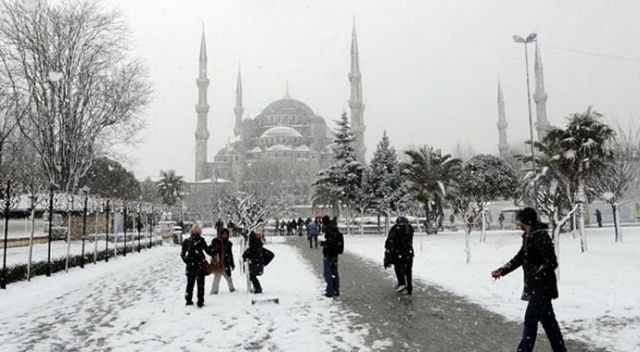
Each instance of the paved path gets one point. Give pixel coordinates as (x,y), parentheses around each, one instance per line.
(430,320)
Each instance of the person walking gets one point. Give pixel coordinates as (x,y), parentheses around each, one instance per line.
(399,253)
(222,261)
(312,233)
(599,217)
(538,261)
(332,246)
(192,254)
(219,226)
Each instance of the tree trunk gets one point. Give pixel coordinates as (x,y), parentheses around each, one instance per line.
(66,262)
(378,222)
(95,239)
(581,200)
(616,222)
(348,220)
(483,232)
(467,247)
(556,240)
(33,225)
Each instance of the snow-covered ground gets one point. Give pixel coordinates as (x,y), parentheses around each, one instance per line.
(599,290)
(20,255)
(136,304)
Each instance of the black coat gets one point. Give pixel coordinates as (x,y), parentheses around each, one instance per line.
(399,244)
(257,255)
(193,249)
(223,249)
(333,242)
(539,262)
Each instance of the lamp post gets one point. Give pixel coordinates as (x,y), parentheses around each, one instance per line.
(106,233)
(518,39)
(7,206)
(85,191)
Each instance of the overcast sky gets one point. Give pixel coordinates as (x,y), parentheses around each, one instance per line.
(429,68)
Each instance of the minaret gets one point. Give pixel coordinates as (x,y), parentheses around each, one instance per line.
(503,145)
(540,97)
(355,102)
(202,109)
(238,110)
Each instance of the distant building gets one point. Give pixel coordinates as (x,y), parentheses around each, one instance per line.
(286,131)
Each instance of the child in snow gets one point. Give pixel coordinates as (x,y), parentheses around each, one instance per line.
(258,258)
(222,260)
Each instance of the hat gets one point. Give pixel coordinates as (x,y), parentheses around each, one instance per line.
(326,220)
(527,216)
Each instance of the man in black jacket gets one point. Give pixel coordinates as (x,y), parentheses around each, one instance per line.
(193,249)
(332,246)
(399,253)
(538,261)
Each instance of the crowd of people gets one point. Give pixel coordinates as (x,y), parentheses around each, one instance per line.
(536,257)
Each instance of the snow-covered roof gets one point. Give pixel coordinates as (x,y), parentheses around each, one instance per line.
(279,147)
(281,131)
(256,150)
(215,180)
(302,148)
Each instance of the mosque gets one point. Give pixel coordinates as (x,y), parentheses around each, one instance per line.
(539,97)
(287,131)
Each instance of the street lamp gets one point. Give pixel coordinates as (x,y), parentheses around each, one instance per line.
(7,209)
(518,39)
(85,191)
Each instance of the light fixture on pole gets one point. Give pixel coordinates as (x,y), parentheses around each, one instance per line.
(518,39)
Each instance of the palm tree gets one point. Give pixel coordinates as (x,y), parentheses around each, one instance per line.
(429,173)
(581,153)
(170,187)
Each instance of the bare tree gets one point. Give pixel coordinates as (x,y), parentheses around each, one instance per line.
(621,176)
(69,62)
(10,113)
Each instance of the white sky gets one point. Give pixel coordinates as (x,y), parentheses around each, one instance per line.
(429,67)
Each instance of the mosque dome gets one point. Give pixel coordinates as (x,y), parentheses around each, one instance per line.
(287,106)
(281,131)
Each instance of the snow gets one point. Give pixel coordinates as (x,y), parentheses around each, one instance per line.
(599,290)
(136,303)
(20,255)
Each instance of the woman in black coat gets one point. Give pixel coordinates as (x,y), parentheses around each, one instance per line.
(399,252)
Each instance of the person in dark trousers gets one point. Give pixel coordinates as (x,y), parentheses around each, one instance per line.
(599,217)
(538,261)
(193,249)
(399,253)
(332,246)
(312,233)
(222,260)
(219,226)
(258,258)
(300,226)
